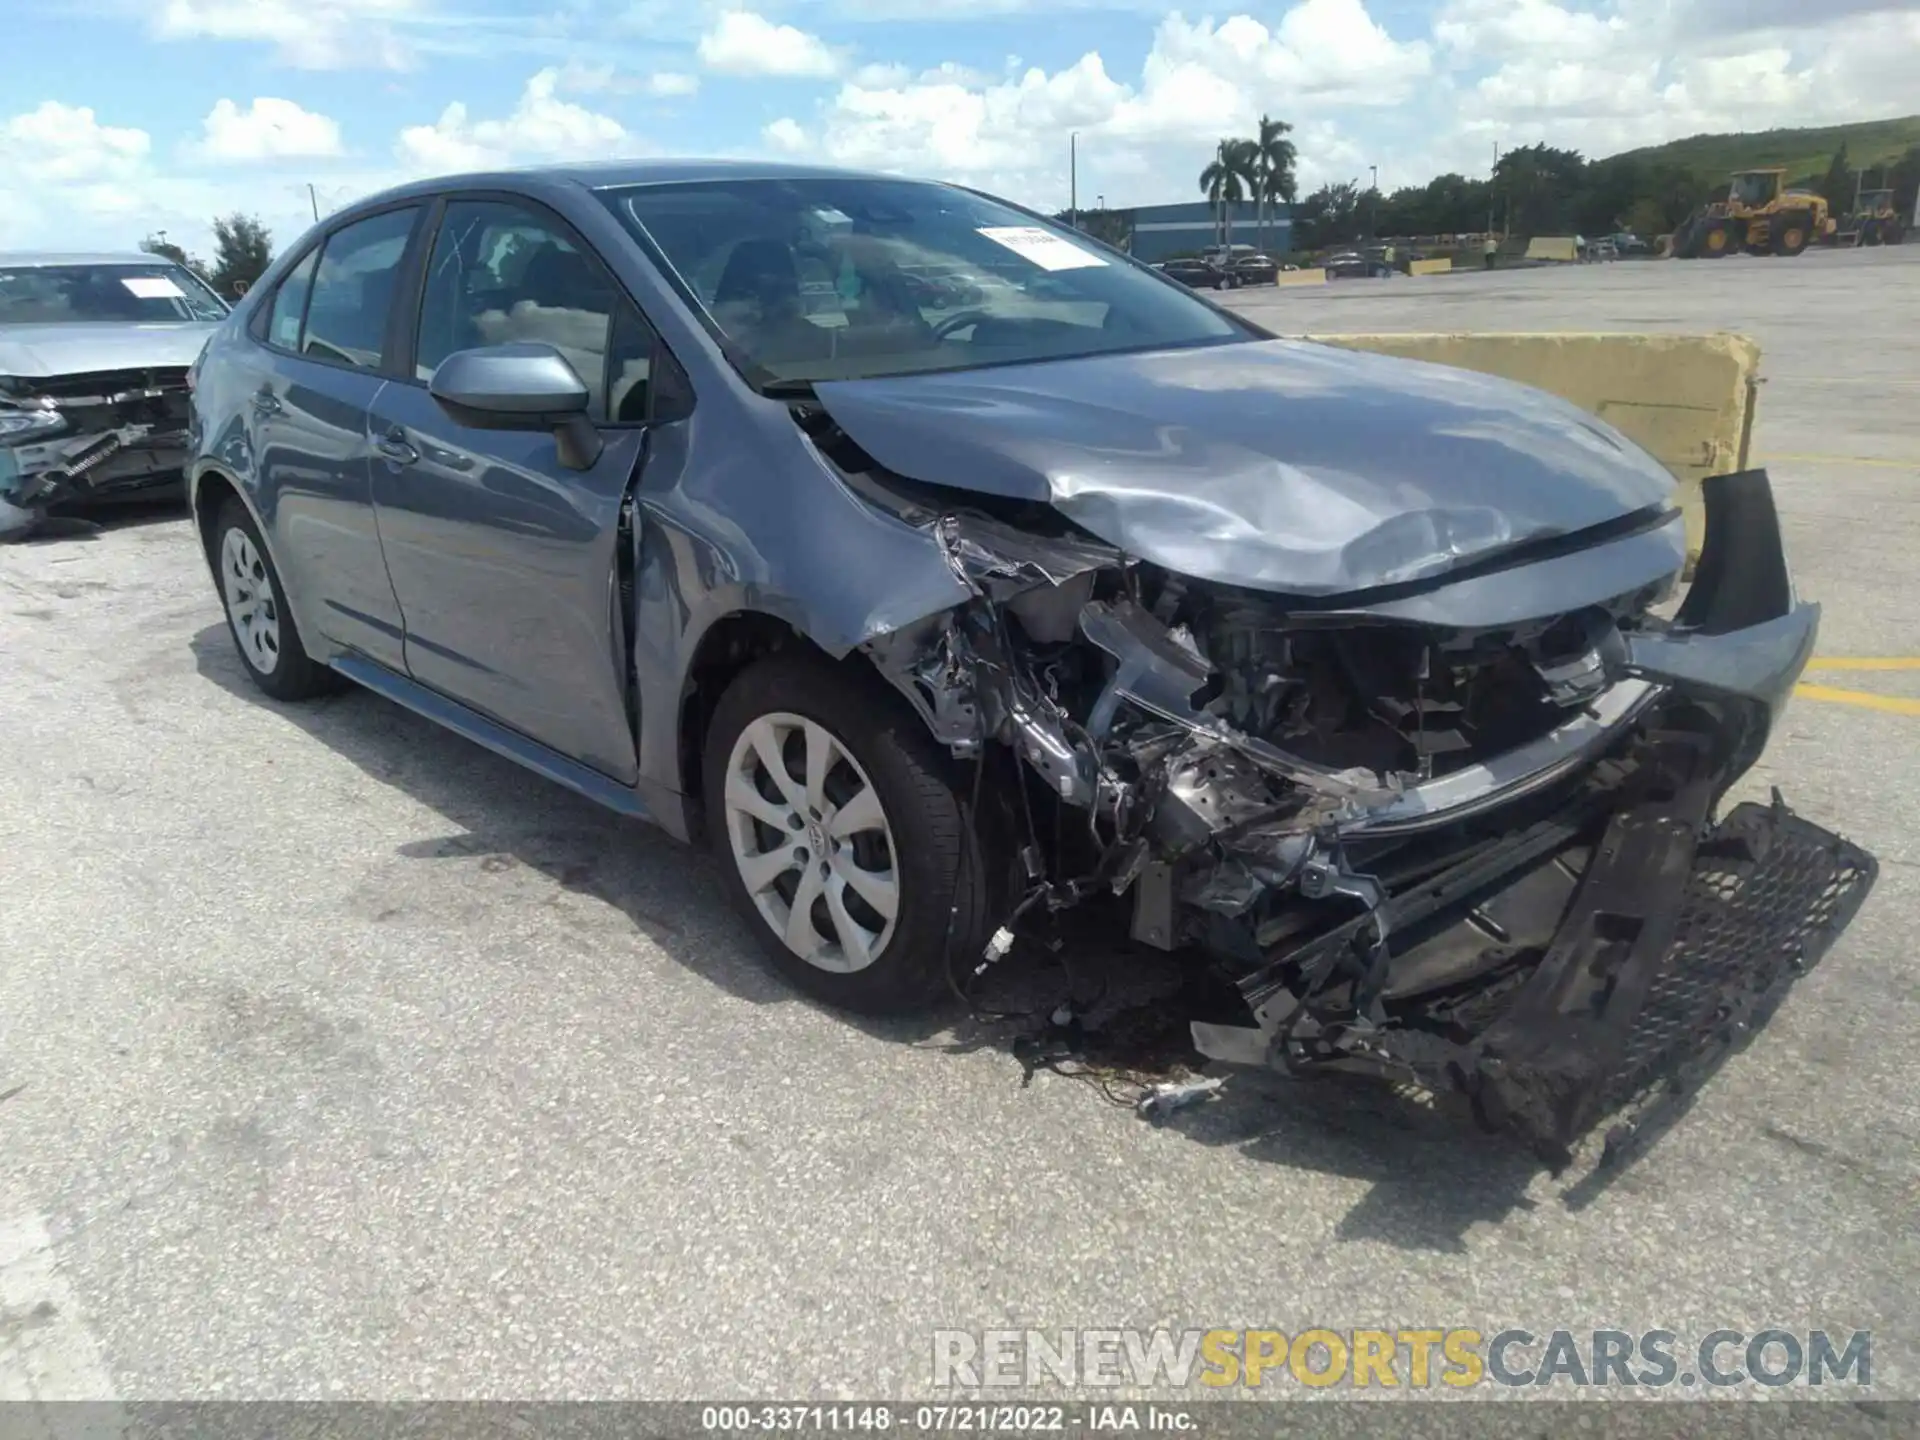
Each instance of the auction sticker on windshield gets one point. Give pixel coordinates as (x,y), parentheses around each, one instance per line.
(1048,251)
(153,287)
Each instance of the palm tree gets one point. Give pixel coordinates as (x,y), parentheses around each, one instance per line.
(1273,180)
(1226,181)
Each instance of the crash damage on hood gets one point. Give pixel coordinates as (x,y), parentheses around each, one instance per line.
(1437,787)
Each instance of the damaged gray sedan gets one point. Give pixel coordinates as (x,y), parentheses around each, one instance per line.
(1372,685)
(94,351)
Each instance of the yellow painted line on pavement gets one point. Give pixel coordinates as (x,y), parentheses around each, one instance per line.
(1864,699)
(1843,460)
(1865,662)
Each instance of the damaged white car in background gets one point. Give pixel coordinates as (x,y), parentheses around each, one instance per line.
(94,353)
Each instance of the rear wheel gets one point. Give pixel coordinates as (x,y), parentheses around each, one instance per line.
(843,841)
(262,626)
(1795,233)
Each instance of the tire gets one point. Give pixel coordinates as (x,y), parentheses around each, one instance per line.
(258,618)
(1870,233)
(881,760)
(1717,241)
(1794,233)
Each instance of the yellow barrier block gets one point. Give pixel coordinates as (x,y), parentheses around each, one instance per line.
(1552,247)
(1430,267)
(1688,400)
(1302,277)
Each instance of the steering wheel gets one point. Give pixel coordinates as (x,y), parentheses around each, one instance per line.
(959,321)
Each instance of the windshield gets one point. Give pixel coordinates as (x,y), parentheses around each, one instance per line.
(158,293)
(837,279)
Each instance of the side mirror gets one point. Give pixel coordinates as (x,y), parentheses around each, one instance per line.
(522,386)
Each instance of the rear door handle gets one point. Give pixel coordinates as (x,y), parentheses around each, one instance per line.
(394,446)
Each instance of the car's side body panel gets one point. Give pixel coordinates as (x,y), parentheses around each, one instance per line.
(504,564)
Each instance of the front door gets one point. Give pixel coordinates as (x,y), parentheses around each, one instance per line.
(504,560)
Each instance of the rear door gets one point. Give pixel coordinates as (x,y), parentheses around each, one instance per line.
(326,338)
(504,560)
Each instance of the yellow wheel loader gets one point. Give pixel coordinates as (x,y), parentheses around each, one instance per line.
(1874,221)
(1760,216)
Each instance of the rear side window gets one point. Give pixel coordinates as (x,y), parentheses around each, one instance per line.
(290,304)
(352,290)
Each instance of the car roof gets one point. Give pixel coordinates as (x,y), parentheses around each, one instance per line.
(610,174)
(30,258)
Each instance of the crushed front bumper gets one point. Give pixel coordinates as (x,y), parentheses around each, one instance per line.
(1599,951)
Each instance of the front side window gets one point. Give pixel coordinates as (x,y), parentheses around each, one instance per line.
(502,274)
(129,292)
(353,290)
(825,279)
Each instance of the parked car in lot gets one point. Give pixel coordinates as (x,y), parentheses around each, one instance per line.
(1337,673)
(1626,243)
(94,350)
(1198,274)
(1357,265)
(1256,269)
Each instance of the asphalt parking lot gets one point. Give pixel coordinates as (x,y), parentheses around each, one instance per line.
(340,1058)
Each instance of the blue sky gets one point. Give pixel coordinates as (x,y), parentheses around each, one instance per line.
(136,115)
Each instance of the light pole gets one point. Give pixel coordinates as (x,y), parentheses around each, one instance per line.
(1373,202)
(1073,178)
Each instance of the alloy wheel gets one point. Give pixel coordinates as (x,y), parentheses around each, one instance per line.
(811,840)
(251,604)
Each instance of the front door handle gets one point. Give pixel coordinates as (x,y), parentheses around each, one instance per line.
(266,402)
(394,446)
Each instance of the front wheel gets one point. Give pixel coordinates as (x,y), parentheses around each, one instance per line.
(262,626)
(842,839)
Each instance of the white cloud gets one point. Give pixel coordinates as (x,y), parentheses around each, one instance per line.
(268,129)
(670,84)
(541,127)
(306,34)
(786,136)
(59,144)
(743,43)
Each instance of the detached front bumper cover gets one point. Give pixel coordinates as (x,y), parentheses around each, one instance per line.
(1680,936)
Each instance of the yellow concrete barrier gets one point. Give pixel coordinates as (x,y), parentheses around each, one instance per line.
(1430,267)
(1302,277)
(1552,247)
(1688,400)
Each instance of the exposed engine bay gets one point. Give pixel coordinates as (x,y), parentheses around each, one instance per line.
(1479,858)
(77,437)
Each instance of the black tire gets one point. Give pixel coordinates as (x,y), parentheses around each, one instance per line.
(1718,241)
(939,870)
(288,673)
(1793,233)
(1870,233)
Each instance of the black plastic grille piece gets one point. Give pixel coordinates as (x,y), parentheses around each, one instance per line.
(1770,892)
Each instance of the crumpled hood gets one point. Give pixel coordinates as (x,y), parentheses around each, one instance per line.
(36,351)
(1278,465)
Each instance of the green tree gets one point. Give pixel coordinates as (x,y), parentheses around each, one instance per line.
(1903,176)
(167,250)
(1227,180)
(242,250)
(1274,158)
(1540,186)
(1328,216)
(1838,184)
